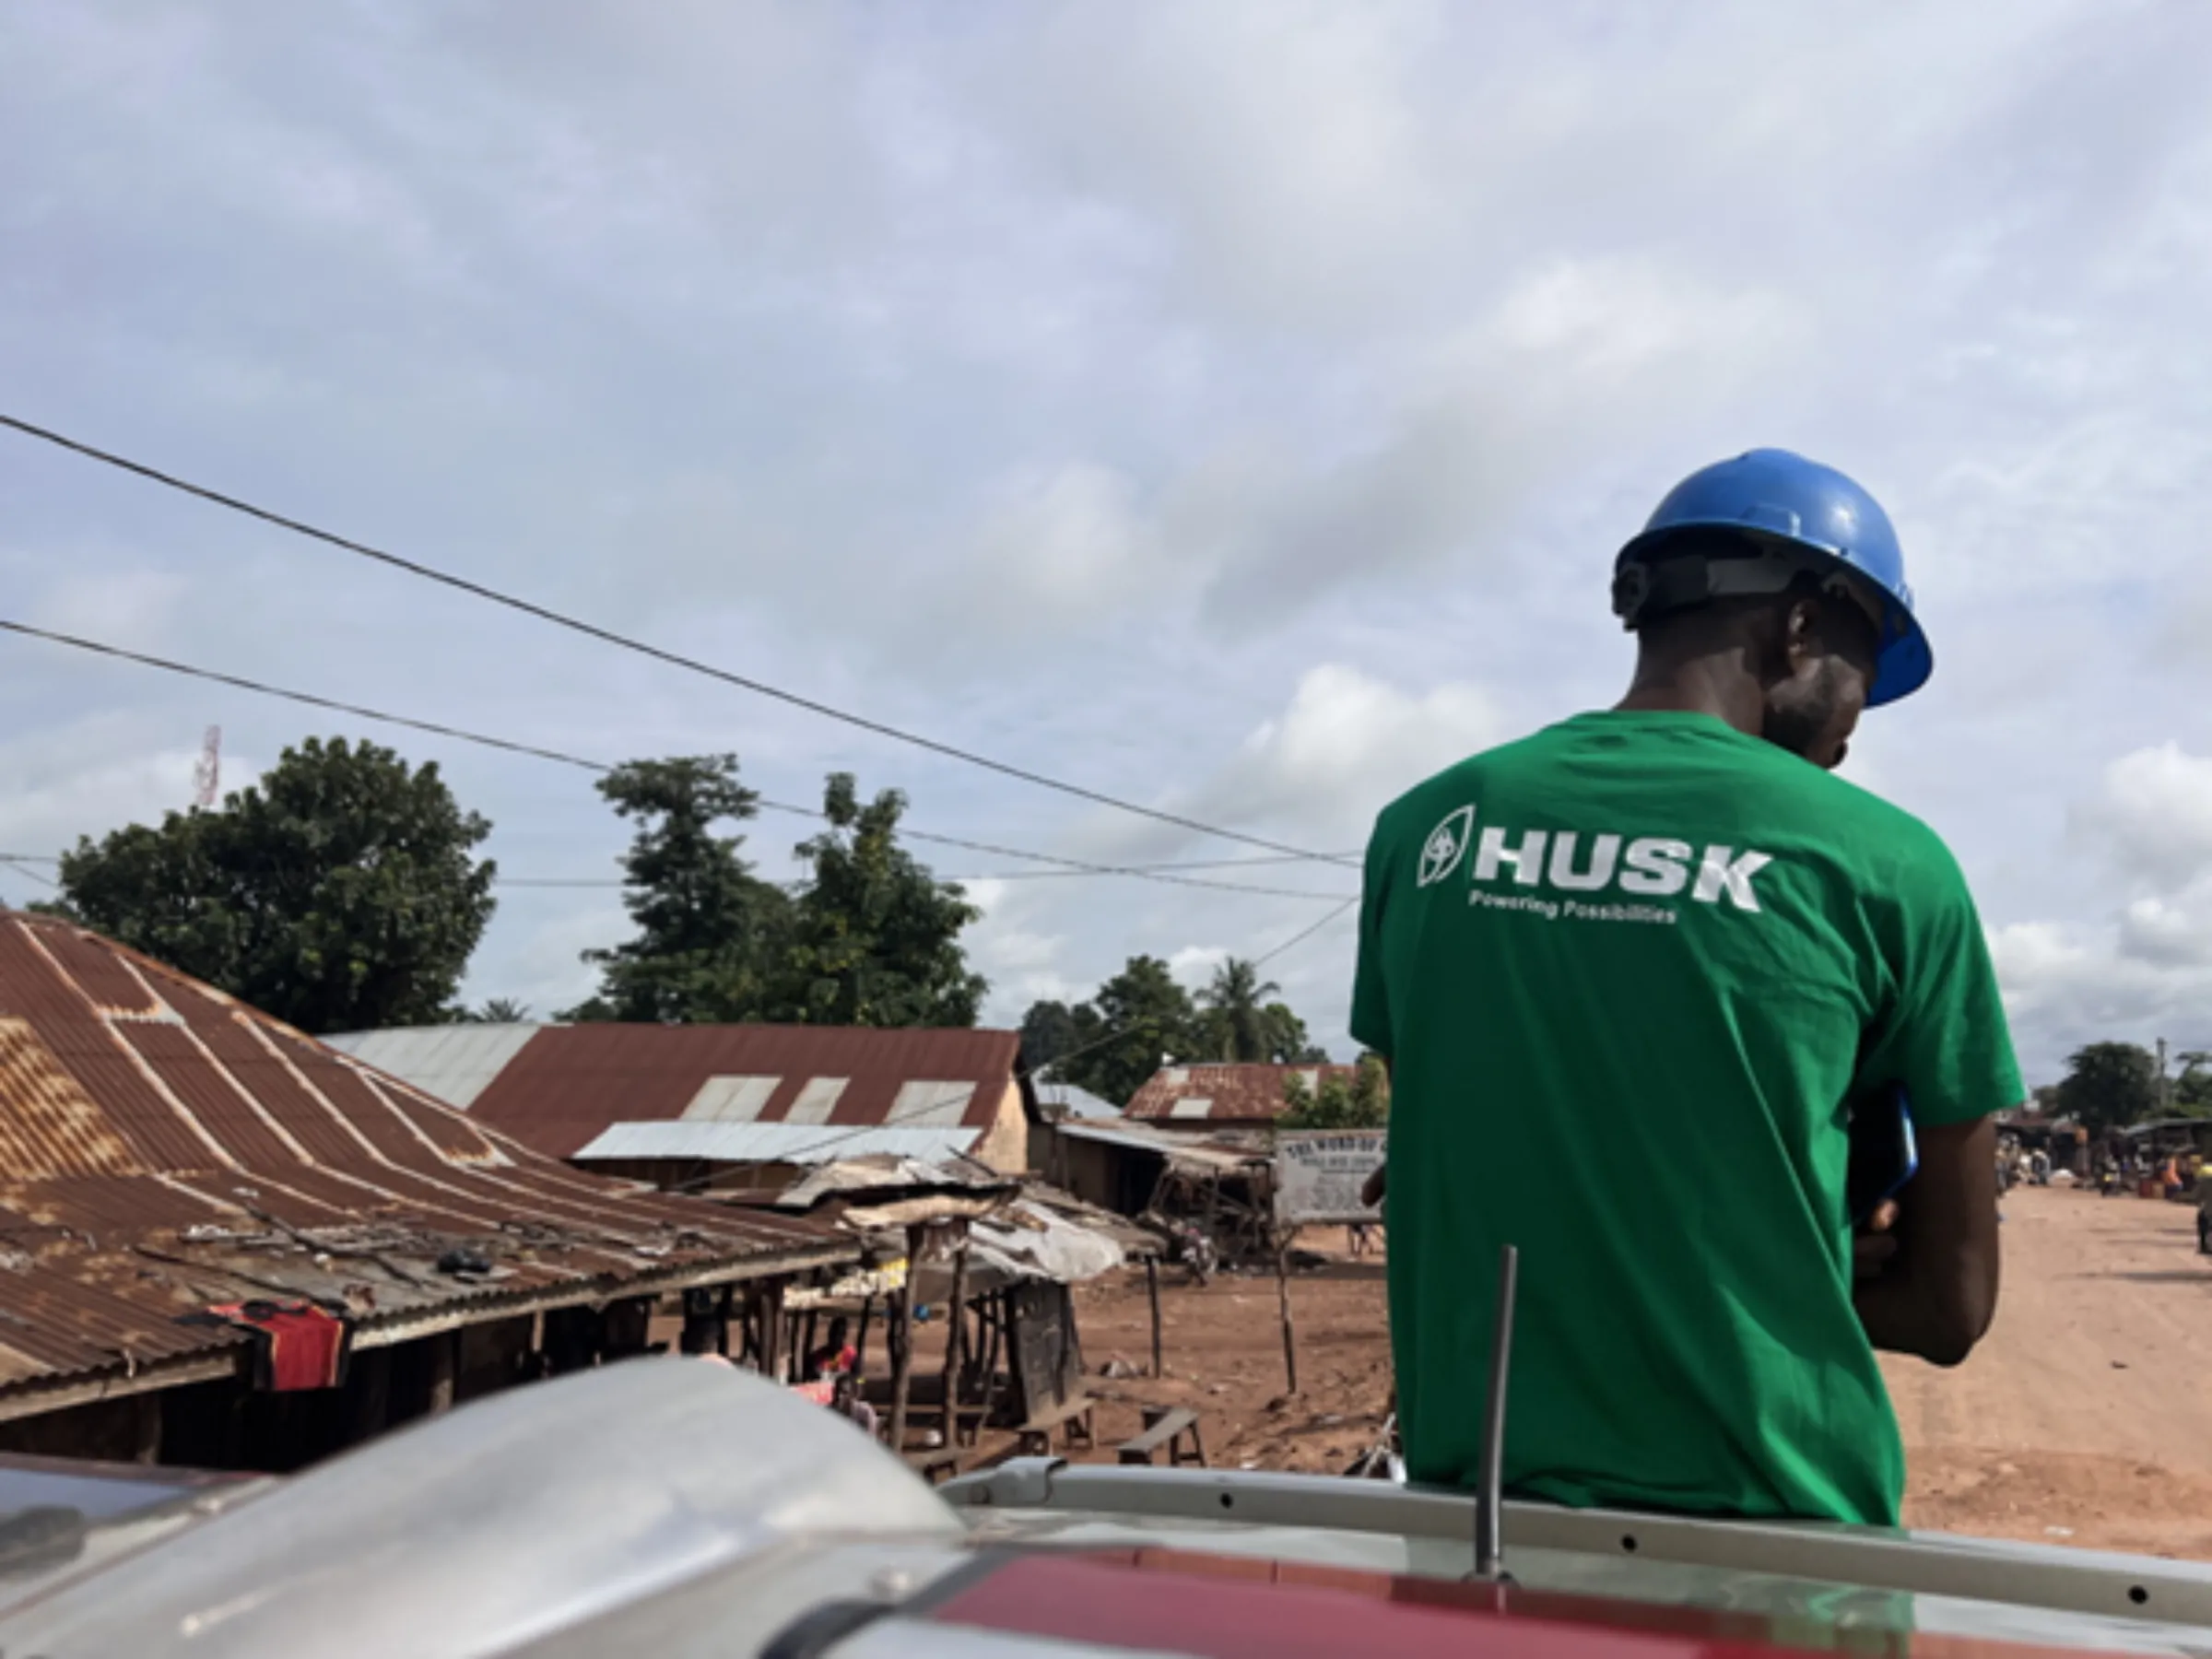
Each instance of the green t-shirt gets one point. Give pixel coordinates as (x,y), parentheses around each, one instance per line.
(1627,971)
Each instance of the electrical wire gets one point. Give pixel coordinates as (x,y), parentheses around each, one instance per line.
(658,653)
(263,688)
(1300,937)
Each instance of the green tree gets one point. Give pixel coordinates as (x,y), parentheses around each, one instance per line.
(709,934)
(2109,1086)
(1140,1016)
(340,893)
(497,1010)
(1362,1102)
(2193,1089)
(1050,1030)
(874,938)
(1237,1025)
(1285,1042)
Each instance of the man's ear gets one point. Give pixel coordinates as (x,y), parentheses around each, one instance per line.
(1800,633)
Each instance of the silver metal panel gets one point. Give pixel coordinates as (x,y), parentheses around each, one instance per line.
(453,1064)
(817,1101)
(1192,1106)
(522,1514)
(771,1143)
(730,1099)
(930,1105)
(1942,1573)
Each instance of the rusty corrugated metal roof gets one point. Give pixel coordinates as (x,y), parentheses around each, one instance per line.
(163,1147)
(568,1085)
(1223,1094)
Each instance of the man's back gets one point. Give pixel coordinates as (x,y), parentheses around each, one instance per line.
(1627,972)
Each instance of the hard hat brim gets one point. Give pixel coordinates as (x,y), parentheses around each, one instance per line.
(1906,659)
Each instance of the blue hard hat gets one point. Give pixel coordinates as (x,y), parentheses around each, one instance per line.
(1783,501)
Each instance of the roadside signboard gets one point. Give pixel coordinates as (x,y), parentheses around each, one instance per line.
(1318,1173)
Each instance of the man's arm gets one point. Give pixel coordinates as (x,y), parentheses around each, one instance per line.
(1935,1294)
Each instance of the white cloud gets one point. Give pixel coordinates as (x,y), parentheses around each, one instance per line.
(2154,814)
(1193,966)
(1234,406)
(1345,744)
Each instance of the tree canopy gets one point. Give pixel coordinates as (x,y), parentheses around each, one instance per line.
(2109,1086)
(1360,1102)
(870,937)
(1110,1044)
(874,937)
(340,893)
(708,929)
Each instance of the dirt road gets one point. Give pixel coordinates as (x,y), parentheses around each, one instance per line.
(2085,1418)
(2086,1414)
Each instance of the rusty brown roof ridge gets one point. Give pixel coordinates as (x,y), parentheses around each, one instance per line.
(164,1145)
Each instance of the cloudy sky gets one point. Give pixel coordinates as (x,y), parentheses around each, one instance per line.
(1234,406)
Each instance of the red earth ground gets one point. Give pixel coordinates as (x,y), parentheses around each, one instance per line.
(2084,1418)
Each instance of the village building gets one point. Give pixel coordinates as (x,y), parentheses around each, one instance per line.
(226,1244)
(1209,1098)
(724,1107)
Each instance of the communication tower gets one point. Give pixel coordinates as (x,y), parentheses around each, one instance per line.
(207,772)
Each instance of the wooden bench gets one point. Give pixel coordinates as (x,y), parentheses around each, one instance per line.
(935,1466)
(1175,1429)
(1073,1417)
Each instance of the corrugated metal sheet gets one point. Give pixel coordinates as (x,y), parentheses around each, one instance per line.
(1195,1150)
(1075,1102)
(769,1142)
(452,1064)
(1223,1094)
(566,1086)
(163,1147)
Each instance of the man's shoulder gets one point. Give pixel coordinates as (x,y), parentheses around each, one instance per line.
(1417,811)
(1857,812)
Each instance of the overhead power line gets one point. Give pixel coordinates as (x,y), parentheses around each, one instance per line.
(1303,935)
(658,653)
(438,728)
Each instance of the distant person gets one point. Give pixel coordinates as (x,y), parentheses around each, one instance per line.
(1627,973)
(835,1358)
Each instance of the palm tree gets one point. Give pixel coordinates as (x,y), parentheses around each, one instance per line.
(500,1010)
(1236,1005)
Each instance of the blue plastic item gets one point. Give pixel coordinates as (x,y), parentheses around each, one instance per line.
(1781,499)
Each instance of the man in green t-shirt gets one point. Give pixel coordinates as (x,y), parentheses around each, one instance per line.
(1630,974)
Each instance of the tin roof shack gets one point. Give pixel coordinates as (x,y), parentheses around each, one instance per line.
(1202,1099)
(1222,1183)
(723,1106)
(223,1243)
(998,1254)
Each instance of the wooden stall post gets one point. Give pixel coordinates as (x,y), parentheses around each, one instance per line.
(860,1342)
(900,1335)
(1152,1294)
(1282,1295)
(772,1330)
(994,1314)
(956,1329)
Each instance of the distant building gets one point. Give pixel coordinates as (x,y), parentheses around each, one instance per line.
(1059,1102)
(1223,1097)
(719,1107)
(224,1243)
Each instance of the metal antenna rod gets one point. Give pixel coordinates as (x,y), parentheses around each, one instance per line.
(1489,1496)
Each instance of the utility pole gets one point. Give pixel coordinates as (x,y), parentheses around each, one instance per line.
(2162,1096)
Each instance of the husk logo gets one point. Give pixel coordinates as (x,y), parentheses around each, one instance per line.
(1550,862)
(1446,845)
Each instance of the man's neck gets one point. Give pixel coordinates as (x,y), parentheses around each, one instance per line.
(1717,685)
